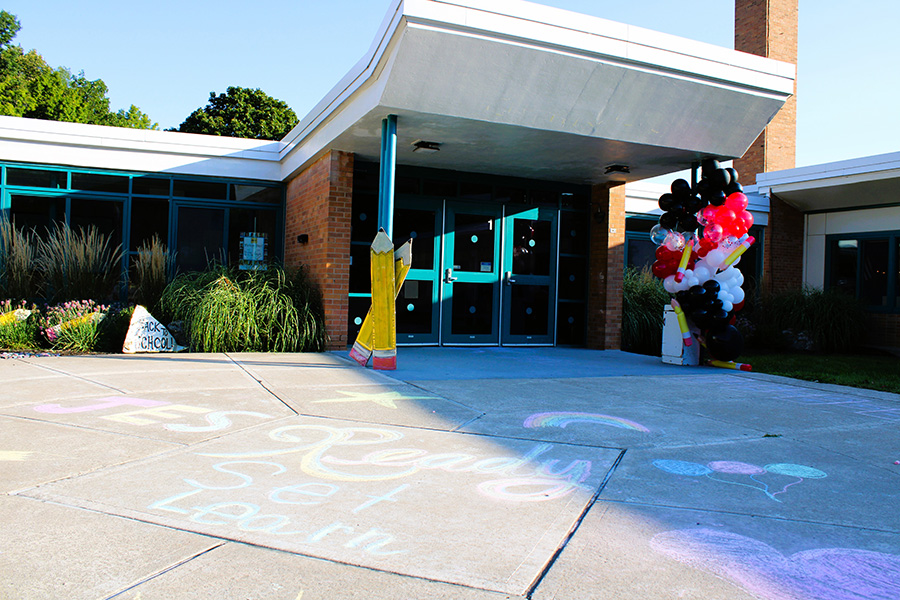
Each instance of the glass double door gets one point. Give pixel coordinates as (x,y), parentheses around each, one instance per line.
(481,274)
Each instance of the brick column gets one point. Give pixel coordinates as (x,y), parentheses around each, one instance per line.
(318,205)
(769,28)
(606,266)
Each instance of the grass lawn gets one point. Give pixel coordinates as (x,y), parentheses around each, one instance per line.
(874,372)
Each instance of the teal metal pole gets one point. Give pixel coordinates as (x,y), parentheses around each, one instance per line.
(388,171)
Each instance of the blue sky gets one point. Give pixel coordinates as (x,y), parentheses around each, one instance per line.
(166,56)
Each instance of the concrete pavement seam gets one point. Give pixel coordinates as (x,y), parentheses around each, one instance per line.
(752,515)
(72,375)
(164,571)
(260,383)
(575,526)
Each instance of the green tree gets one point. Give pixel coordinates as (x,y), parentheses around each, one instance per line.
(242,113)
(31,88)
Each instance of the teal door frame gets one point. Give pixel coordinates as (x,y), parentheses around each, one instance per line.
(530,259)
(420,274)
(480,279)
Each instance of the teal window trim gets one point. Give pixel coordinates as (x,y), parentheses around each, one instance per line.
(893,244)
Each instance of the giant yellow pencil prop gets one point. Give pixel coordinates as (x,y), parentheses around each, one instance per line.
(384,315)
(682,323)
(364,344)
(746,242)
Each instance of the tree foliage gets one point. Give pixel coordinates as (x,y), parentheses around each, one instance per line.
(29,87)
(242,113)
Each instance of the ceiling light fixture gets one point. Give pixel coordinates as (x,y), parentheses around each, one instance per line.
(426,147)
(617,169)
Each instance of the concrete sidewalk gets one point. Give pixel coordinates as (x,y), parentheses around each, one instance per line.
(467,473)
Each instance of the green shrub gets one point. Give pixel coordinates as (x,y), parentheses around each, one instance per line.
(150,273)
(826,321)
(18,262)
(78,263)
(73,326)
(244,311)
(15,333)
(642,312)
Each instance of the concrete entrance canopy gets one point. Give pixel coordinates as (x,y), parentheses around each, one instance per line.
(521,89)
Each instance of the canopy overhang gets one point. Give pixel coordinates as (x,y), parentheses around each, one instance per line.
(870,181)
(516,88)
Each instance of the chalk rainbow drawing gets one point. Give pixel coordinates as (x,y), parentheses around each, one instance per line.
(820,574)
(564,419)
(729,467)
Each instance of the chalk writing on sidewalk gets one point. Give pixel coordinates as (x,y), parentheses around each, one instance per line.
(153,412)
(820,574)
(337,487)
(733,473)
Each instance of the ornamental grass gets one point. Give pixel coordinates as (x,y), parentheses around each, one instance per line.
(78,263)
(642,312)
(225,310)
(19,275)
(150,272)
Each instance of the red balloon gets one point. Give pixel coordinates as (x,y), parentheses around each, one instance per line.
(725,216)
(661,269)
(747,218)
(737,202)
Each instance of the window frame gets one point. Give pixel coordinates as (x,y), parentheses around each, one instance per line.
(892,237)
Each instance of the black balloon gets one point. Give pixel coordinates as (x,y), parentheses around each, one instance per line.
(694,203)
(725,343)
(681,187)
(717,198)
(733,187)
(667,202)
(733,173)
(688,223)
(668,220)
(721,178)
(708,167)
(700,318)
(712,286)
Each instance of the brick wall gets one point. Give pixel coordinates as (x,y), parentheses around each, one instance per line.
(318,205)
(606,264)
(769,28)
(883,329)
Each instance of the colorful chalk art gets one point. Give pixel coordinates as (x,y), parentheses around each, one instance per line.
(766,479)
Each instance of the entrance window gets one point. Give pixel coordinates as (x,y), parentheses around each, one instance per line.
(37,212)
(36,178)
(472,308)
(414,307)
(247,220)
(105,215)
(149,217)
(474,247)
(866,266)
(200,232)
(531,250)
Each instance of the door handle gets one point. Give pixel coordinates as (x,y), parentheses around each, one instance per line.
(508,279)
(448,276)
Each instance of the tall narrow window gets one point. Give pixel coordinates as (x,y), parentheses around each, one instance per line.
(843,265)
(874,276)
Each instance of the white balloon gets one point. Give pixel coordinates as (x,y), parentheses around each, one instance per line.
(702,272)
(727,306)
(714,258)
(728,273)
(670,285)
(692,281)
(737,295)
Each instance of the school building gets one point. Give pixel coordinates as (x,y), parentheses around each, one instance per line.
(508,140)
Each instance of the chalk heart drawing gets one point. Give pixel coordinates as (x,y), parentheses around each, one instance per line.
(798,473)
(821,574)
(564,419)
